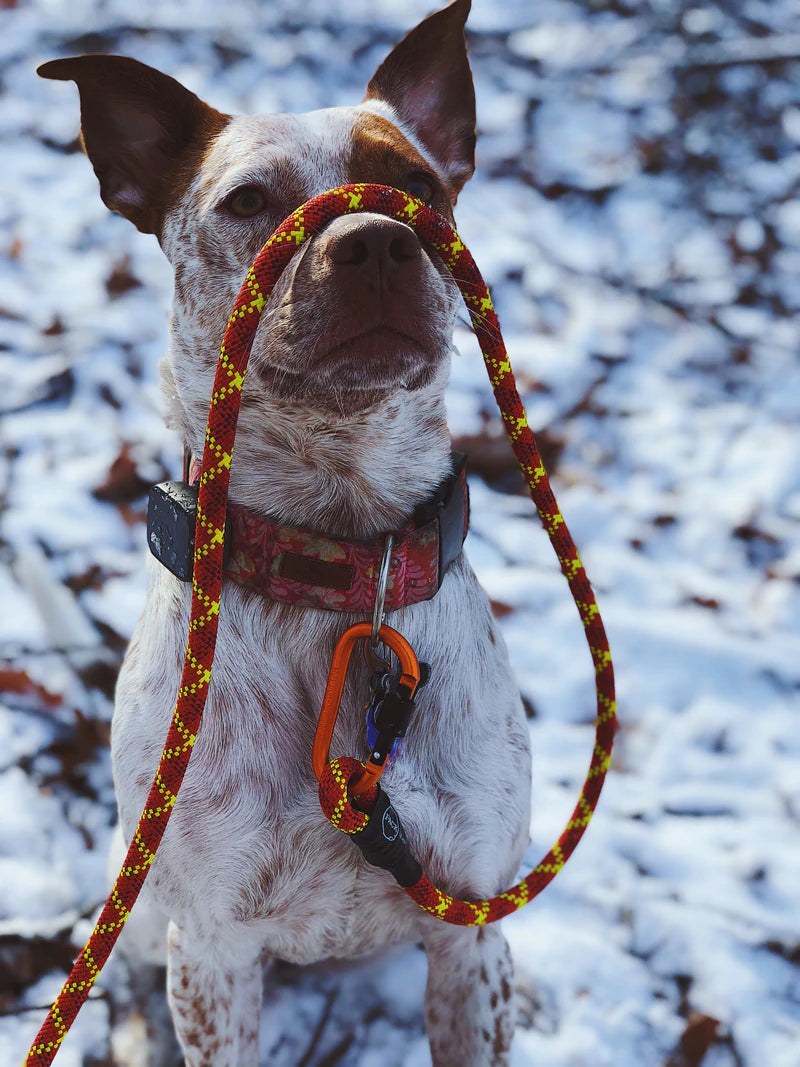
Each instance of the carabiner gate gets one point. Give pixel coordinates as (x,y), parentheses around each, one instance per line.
(409,679)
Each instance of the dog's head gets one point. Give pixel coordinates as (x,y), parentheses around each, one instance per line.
(363,309)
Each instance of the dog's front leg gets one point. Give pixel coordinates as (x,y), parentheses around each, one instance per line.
(469,999)
(214,989)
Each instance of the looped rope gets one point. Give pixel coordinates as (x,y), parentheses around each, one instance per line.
(207,579)
(335,800)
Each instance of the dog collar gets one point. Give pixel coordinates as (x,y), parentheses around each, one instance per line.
(304,567)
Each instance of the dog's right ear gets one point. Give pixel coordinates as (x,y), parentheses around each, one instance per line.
(427,80)
(142,130)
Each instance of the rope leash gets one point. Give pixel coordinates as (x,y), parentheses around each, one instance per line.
(207,585)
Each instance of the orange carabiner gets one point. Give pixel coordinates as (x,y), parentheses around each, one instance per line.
(409,677)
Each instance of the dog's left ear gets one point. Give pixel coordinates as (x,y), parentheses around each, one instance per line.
(427,81)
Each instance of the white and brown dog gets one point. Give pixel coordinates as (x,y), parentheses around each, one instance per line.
(342,431)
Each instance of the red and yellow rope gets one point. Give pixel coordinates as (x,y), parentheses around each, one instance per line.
(207,584)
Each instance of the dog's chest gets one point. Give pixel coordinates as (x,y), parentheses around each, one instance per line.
(277,866)
(247,841)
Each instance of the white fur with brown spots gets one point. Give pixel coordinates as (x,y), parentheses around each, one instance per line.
(342,429)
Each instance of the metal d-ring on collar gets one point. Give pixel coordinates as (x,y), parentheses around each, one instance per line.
(378,613)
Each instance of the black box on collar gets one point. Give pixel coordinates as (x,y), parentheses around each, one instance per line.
(171,518)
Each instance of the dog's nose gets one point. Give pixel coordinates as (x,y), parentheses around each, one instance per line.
(379,242)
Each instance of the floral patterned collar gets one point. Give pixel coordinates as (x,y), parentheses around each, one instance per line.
(308,568)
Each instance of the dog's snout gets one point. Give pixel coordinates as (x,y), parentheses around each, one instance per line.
(371,244)
(382,304)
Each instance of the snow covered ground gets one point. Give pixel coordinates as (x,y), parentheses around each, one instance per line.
(635,213)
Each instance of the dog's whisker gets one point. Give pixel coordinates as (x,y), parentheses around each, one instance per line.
(462,283)
(482,325)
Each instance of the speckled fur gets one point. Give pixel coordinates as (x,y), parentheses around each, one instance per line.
(249,868)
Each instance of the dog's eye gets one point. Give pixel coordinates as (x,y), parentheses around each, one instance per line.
(246,202)
(421,186)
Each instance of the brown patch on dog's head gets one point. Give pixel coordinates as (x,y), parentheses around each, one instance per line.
(145,134)
(382,154)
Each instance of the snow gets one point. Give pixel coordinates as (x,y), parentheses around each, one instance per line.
(635,214)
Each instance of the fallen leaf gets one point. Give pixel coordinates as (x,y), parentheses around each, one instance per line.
(21,684)
(124,482)
(55,329)
(490,456)
(698,1037)
(499,609)
(121,280)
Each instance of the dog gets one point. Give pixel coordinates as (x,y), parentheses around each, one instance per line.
(342,433)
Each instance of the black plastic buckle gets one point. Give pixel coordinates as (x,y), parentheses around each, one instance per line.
(454,515)
(389,714)
(450,509)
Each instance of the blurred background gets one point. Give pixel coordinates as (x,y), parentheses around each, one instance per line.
(635,213)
